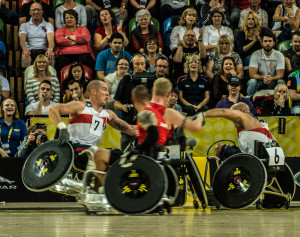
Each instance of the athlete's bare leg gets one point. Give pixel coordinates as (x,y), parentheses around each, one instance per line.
(101,158)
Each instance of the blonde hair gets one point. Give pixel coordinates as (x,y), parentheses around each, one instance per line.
(191,58)
(246,29)
(224,38)
(35,69)
(276,90)
(191,12)
(162,86)
(16,114)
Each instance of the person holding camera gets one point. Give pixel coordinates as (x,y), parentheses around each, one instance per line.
(122,97)
(37,136)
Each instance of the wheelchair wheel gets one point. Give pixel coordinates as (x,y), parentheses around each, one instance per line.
(286,183)
(47,165)
(239,181)
(138,188)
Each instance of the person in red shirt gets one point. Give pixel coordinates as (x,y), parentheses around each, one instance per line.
(151,126)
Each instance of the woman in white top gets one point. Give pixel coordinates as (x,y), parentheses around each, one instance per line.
(211,33)
(286,13)
(187,21)
(70,4)
(112,80)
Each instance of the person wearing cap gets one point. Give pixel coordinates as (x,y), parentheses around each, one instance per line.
(234,88)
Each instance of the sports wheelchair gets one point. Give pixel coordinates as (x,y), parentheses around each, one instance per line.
(263,179)
(134,184)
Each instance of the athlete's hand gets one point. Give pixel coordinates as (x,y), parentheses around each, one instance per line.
(63,137)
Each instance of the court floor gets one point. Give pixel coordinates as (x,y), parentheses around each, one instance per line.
(69,219)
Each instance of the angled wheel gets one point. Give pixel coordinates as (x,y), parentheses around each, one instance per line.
(47,165)
(136,189)
(239,181)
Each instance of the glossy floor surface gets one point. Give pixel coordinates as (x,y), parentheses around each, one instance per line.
(69,219)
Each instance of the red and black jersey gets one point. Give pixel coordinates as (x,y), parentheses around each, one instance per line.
(162,128)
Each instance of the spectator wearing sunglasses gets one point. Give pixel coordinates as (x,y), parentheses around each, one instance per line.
(44,103)
(12,128)
(37,136)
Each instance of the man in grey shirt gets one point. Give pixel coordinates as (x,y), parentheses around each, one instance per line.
(266,68)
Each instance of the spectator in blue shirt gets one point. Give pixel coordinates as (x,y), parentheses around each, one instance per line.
(106,59)
(12,129)
(193,87)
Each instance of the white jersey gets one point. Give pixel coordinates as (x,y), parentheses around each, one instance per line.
(87,128)
(247,137)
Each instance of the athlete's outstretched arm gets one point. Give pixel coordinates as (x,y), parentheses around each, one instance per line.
(172,116)
(233,115)
(73,109)
(120,124)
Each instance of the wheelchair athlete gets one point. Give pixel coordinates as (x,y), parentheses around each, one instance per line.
(249,128)
(87,121)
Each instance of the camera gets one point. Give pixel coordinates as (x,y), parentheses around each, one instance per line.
(130,107)
(39,136)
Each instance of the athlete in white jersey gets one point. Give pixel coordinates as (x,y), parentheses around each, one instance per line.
(88,120)
(249,128)
(87,123)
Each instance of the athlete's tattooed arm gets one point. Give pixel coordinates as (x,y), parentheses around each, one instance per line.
(120,124)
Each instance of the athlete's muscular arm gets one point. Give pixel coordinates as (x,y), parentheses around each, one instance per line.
(72,109)
(235,116)
(172,116)
(120,124)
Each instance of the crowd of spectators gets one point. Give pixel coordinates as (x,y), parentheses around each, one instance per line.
(219,53)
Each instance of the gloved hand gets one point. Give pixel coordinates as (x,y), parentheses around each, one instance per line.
(63,137)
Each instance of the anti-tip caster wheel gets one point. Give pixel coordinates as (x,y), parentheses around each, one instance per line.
(90,212)
(161,211)
(287,204)
(259,205)
(196,204)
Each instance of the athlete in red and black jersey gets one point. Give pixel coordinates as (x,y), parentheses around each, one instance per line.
(151,126)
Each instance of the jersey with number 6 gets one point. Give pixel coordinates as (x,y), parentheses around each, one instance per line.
(87,128)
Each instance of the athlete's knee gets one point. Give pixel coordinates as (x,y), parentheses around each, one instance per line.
(218,148)
(102,155)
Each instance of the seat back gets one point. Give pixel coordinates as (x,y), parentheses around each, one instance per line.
(88,73)
(2,55)
(133,24)
(263,93)
(2,30)
(93,26)
(169,24)
(60,2)
(284,45)
(22,2)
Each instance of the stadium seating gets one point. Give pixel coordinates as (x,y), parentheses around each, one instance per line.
(88,73)
(284,45)
(133,24)
(59,2)
(22,2)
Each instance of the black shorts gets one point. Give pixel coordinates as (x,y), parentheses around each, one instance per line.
(80,162)
(115,155)
(227,151)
